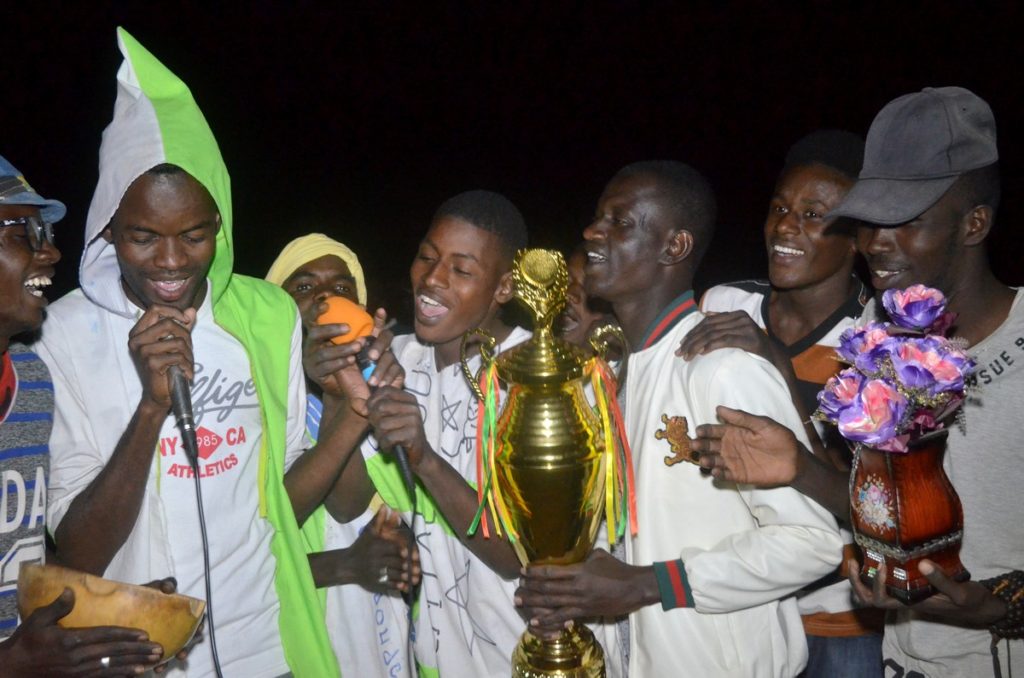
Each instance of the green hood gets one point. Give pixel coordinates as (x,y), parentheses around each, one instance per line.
(156,121)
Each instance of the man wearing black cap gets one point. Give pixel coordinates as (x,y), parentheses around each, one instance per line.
(928,195)
(38,646)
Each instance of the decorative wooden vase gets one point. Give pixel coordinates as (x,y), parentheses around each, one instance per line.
(904,510)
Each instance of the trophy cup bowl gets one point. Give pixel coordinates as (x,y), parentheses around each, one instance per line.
(550,471)
(170,619)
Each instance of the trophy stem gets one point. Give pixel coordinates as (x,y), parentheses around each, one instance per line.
(574,654)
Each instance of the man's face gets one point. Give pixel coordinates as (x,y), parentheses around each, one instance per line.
(164,233)
(804,248)
(579,317)
(455,279)
(925,250)
(24,274)
(314,281)
(626,238)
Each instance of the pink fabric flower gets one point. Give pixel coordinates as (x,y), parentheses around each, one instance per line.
(875,415)
(916,308)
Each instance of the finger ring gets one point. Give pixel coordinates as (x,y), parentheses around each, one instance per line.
(383,578)
(105,662)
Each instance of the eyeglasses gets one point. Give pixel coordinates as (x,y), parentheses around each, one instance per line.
(39,232)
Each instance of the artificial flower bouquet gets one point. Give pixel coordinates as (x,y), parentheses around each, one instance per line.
(904,383)
(905,377)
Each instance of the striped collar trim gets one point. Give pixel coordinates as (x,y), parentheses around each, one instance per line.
(681,306)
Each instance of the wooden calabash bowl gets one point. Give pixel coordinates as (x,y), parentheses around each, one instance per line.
(170,619)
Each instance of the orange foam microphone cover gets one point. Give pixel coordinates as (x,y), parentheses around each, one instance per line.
(343,311)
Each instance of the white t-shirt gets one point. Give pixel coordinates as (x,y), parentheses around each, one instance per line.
(468,624)
(97,389)
(369,631)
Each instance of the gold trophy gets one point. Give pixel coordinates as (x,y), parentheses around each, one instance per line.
(551,458)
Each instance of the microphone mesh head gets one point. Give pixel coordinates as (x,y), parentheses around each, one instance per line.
(343,311)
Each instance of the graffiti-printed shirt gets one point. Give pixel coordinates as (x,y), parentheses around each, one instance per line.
(467,624)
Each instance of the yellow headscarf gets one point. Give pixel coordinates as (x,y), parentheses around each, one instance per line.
(313,246)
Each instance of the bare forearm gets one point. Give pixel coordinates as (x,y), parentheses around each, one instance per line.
(824,483)
(352,492)
(458,502)
(331,568)
(316,473)
(102,516)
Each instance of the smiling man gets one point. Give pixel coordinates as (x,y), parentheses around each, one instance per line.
(39,646)
(709,574)
(460,277)
(927,199)
(795,319)
(157,290)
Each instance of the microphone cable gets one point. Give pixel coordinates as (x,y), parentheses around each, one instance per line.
(182,405)
(367,366)
(410,636)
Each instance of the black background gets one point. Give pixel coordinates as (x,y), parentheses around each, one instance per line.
(358,119)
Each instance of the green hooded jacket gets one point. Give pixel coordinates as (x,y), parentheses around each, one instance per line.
(157,121)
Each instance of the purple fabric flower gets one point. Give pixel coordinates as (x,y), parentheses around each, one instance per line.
(915,308)
(875,415)
(839,393)
(931,364)
(865,347)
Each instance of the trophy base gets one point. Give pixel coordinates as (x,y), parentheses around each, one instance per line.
(574,654)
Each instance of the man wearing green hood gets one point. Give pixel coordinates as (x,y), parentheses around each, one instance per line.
(157,290)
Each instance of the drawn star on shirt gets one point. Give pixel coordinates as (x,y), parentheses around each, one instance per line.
(459,596)
(448,412)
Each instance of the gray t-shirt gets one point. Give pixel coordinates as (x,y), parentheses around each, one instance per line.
(24,466)
(985,462)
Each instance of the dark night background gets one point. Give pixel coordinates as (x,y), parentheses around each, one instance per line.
(359,118)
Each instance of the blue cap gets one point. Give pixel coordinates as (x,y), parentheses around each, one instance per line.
(14,190)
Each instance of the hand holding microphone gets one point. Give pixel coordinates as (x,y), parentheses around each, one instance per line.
(341,311)
(160,339)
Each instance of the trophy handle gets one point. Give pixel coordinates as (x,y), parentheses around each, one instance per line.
(487,346)
(602,338)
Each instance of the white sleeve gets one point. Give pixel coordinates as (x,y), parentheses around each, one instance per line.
(75,456)
(795,541)
(295,427)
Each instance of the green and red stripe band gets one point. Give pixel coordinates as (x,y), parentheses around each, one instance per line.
(681,306)
(673,585)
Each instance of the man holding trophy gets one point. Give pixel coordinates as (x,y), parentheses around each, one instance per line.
(718,557)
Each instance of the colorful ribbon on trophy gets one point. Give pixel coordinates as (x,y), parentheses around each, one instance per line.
(486,460)
(620,497)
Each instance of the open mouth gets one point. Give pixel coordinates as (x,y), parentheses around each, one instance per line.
(883,273)
(787,251)
(170,290)
(37,284)
(429,308)
(596,258)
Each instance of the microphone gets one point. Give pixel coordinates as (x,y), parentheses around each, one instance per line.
(344,311)
(181,405)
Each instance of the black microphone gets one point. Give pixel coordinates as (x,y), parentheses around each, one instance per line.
(181,405)
(367,366)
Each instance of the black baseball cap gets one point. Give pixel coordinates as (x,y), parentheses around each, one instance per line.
(917,147)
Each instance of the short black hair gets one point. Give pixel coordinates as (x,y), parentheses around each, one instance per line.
(836,149)
(689,196)
(490,212)
(981,186)
(165,168)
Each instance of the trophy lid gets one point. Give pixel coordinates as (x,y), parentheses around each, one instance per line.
(541,280)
